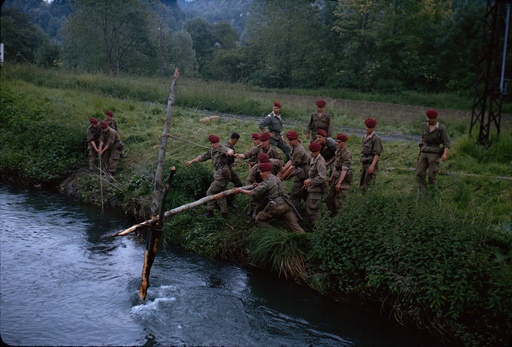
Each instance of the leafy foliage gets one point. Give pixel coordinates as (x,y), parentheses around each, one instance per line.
(424,262)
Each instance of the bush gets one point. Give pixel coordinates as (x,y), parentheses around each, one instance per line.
(424,262)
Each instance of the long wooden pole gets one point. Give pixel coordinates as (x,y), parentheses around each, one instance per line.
(152,221)
(154,237)
(155,234)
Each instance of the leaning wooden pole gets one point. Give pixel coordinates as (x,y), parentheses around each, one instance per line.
(154,220)
(155,234)
(153,241)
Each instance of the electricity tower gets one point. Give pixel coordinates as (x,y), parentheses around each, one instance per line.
(491,84)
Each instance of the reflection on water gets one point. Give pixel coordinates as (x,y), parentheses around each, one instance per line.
(65,282)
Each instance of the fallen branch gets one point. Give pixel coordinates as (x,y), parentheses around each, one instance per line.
(154,220)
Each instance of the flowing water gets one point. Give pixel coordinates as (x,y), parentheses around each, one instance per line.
(65,282)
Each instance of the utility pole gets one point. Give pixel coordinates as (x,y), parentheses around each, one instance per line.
(491,84)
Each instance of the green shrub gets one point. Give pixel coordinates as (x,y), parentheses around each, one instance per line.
(423,261)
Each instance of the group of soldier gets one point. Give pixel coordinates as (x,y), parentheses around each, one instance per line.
(324,168)
(104,144)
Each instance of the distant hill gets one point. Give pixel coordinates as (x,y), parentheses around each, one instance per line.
(233,11)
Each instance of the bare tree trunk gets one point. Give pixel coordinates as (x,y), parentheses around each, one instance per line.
(155,234)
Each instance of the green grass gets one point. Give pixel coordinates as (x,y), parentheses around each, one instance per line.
(381,246)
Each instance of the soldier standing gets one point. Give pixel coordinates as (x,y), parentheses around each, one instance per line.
(93,137)
(110,147)
(109,118)
(219,155)
(277,207)
(370,153)
(341,176)
(231,160)
(434,146)
(298,166)
(264,147)
(329,147)
(274,122)
(315,184)
(319,120)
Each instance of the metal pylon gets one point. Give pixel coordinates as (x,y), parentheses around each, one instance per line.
(491,84)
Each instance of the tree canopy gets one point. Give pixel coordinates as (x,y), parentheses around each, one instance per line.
(369,45)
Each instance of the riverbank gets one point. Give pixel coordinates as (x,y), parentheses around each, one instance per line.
(441,261)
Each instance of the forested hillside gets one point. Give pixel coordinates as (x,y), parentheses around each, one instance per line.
(367,45)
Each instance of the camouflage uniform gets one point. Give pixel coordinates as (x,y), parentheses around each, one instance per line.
(371,147)
(317,174)
(276,207)
(319,122)
(272,153)
(221,177)
(334,198)
(93,135)
(274,125)
(237,182)
(300,159)
(111,156)
(431,149)
(328,151)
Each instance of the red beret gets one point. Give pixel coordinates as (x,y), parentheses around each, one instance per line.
(321,103)
(265,136)
(370,123)
(315,147)
(93,121)
(432,113)
(109,113)
(213,138)
(255,136)
(292,135)
(104,125)
(321,132)
(342,137)
(265,166)
(278,104)
(263,158)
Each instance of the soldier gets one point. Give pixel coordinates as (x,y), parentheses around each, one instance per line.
(255,142)
(298,166)
(341,176)
(219,155)
(329,147)
(110,147)
(274,122)
(434,146)
(93,137)
(267,148)
(277,206)
(319,120)
(315,184)
(110,120)
(254,178)
(370,153)
(231,160)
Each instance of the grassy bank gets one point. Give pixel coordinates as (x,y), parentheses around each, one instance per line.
(441,261)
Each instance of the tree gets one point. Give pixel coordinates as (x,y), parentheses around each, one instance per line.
(111,36)
(25,42)
(286,43)
(182,53)
(202,38)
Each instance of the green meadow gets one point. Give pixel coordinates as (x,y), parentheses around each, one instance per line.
(440,261)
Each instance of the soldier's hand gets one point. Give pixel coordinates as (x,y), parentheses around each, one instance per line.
(338,187)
